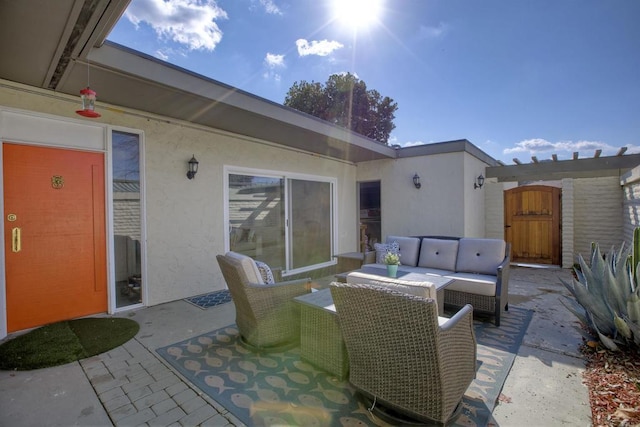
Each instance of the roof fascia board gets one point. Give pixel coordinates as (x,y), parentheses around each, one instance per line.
(456,146)
(62,43)
(112,56)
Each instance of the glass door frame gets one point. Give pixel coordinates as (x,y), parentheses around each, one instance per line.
(287,177)
(113,308)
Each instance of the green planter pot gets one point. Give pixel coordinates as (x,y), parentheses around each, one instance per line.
(392,270)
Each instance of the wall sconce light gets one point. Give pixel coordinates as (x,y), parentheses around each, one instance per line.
(193,167)
(416,180)
(479,182)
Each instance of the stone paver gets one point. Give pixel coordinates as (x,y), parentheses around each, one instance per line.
(136,388)
(142,390)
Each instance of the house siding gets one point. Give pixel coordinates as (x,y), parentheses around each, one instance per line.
(568,223)
(631,204)
(185,218)
(591,212)
(597,213)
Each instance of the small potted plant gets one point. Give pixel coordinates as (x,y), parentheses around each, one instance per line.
(392,260)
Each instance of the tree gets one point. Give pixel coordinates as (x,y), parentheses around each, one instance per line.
(345,101)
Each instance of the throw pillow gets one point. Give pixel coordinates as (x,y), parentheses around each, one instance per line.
(265,271)
(382,249)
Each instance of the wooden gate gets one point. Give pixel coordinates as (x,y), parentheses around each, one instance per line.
(532,224)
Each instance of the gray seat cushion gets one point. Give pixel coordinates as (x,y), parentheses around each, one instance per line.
(438,253)
(424,289)
(480,255)
(478,284)
(409,249)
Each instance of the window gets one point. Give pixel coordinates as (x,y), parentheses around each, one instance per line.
(286,222)
(127,219)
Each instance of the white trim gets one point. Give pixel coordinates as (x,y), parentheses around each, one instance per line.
(143,223)
(3,284)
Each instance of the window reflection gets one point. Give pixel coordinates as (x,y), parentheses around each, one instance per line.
(256,218)
(126,218)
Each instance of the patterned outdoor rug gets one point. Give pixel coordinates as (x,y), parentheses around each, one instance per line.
(209,300)
(280,389)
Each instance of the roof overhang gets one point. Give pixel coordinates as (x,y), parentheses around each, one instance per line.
(457,146)
(70,42)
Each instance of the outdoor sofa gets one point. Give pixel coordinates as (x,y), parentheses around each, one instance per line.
(478,266)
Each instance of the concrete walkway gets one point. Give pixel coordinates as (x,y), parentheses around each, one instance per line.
(131,385)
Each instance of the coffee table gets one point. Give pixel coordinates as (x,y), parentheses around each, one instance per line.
(367,275)
(321,341)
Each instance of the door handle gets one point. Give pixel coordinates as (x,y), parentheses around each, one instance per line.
(16,240)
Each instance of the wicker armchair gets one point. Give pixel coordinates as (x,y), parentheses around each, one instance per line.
(266,316)
(404,360)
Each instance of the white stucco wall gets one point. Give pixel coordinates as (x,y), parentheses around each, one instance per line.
(184,219)
(474,198)
(446,204)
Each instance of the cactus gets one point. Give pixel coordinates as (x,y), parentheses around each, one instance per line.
(636,252)
(606,298)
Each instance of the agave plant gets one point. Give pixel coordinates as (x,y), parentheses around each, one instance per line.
(607,298)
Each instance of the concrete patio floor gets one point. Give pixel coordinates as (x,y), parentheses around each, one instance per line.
(131,385)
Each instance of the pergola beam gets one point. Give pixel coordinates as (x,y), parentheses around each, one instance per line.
(576,168)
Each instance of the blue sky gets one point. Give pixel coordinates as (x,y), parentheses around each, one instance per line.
(517,78)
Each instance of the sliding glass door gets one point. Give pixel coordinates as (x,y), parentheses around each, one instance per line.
(286,222)
(311,223)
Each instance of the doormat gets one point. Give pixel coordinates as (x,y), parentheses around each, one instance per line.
(275,389)
(209,300)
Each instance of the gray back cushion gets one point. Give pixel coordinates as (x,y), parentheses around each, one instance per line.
(480,255)
(248,266)
(438,253)
(409,249)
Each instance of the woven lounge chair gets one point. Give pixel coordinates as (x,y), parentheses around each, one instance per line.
(266,316)
(408,364)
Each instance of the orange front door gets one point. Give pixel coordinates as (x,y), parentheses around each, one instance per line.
(54,227)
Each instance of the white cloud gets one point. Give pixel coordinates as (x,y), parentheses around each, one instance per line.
(161,55)
(537,146)
(270,7)
(274,61)
(412,143)
(187,22)
(315,47)
(433,32)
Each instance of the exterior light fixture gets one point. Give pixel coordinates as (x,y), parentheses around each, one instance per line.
(416,180)
(193,167)
(479,182)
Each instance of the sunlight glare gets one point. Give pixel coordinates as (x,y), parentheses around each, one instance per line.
(357,13)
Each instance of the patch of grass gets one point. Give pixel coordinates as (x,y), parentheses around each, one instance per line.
(65,342)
